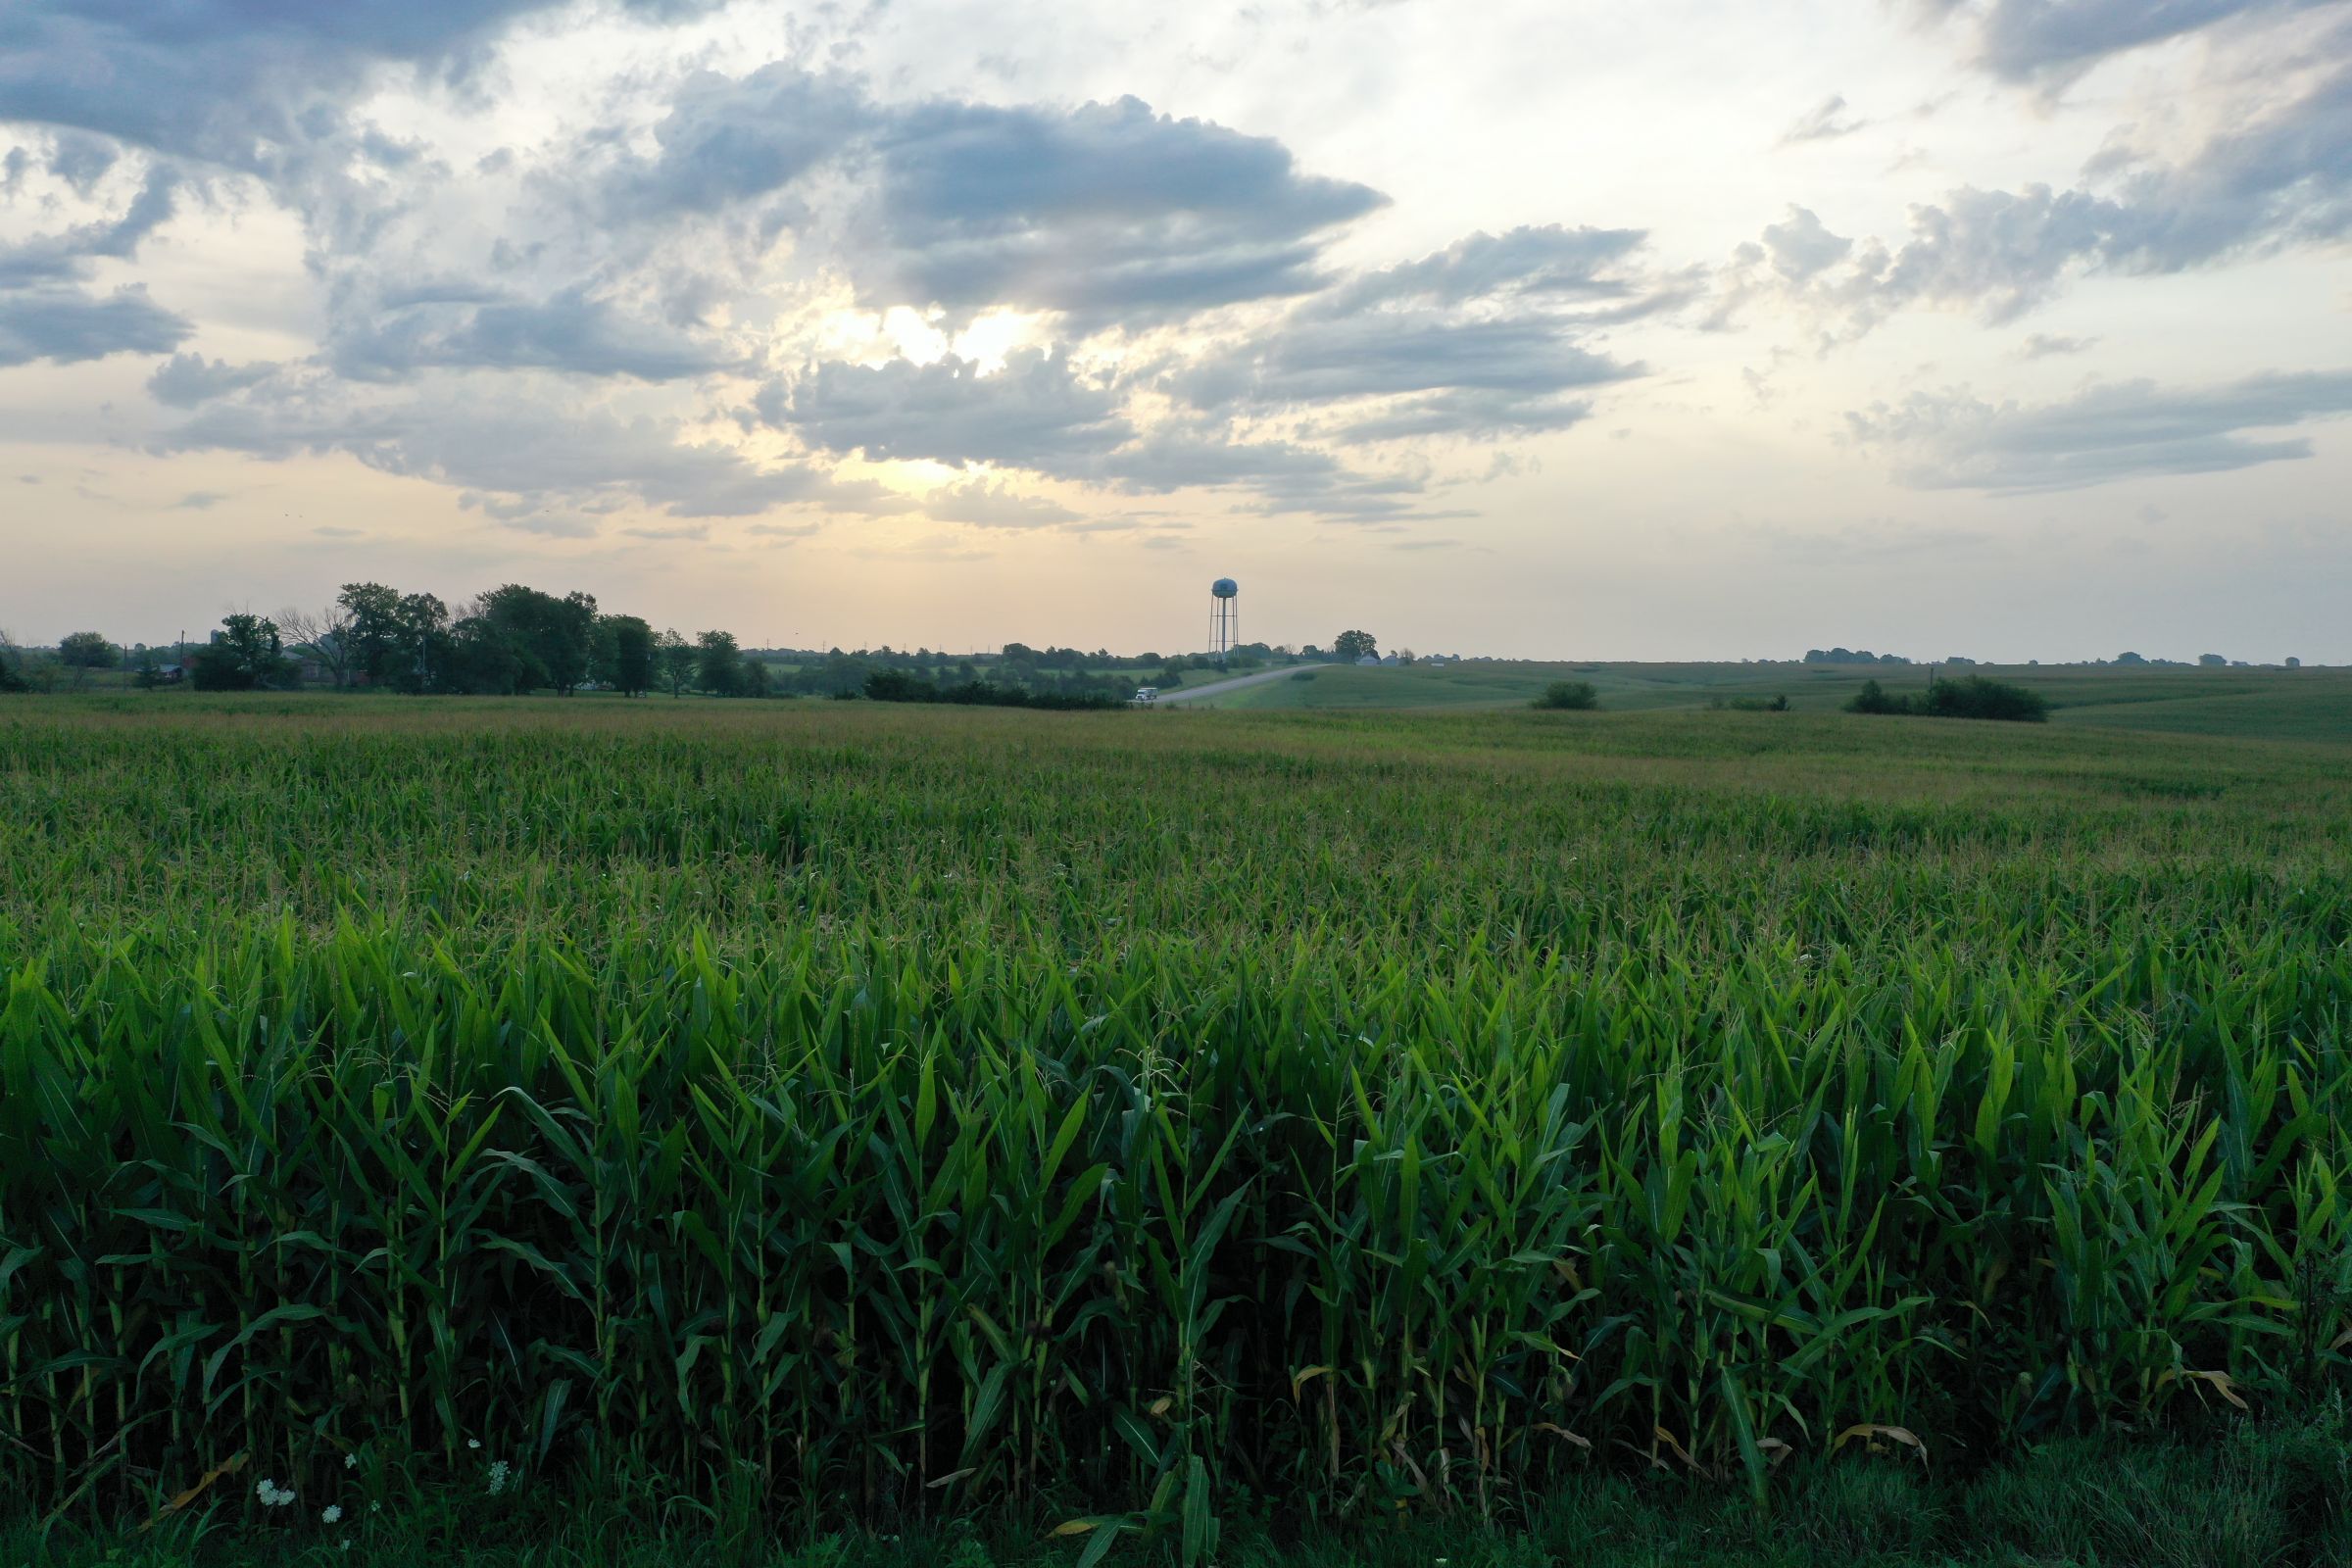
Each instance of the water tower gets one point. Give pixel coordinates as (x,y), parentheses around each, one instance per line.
(1224,616)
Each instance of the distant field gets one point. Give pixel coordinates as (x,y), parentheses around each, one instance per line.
(2317,709)
(2257,703)
(2305,704)
(946,670)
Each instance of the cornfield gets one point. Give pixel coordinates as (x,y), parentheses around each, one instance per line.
(891,1112)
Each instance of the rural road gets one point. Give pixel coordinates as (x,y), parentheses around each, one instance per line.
(1186,694)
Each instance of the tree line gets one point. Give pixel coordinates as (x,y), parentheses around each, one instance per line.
(512,639)
(517,639)
(899,686)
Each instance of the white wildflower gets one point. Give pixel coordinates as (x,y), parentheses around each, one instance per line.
(474,1443)
(351,1461)
(498,1476)
(333,1514)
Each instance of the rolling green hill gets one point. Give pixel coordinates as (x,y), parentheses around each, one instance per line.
(2311,704)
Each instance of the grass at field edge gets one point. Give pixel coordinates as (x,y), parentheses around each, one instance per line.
(2275,1493)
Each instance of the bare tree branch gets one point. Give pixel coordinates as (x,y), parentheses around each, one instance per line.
(323,635)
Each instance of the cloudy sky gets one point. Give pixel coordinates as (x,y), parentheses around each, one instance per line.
(1537,327)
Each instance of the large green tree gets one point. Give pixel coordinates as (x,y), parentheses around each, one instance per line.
(421,646)
(509,633)
(718,664)
(1350,646)
(570,629)
(534,639)
(248,653)
(84,651)
(677,658)
(12,665)
(625,653)
(372,626)
(489,654)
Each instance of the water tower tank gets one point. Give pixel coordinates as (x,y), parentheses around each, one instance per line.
(1224,616)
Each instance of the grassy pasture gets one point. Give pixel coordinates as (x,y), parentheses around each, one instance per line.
(884,1112)
(2257,703)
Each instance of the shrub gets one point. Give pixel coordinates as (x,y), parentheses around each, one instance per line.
(1872,699)
(1569,694)
(899,686)
(1062,701)
(1972,697)
(1981,696)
